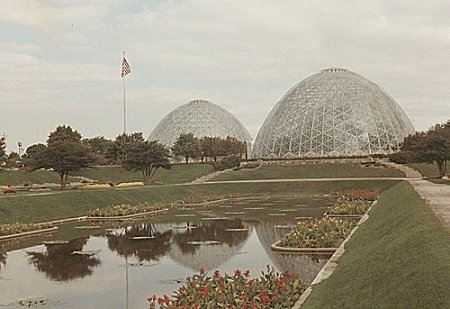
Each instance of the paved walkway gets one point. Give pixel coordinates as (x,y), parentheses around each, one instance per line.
(437,196)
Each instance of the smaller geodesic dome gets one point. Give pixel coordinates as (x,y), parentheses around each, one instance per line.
(333,113)
(201,118)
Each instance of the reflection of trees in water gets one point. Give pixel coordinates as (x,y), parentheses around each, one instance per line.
(144,249)
(306,267)
(2,259)
(215,230)
(59,264)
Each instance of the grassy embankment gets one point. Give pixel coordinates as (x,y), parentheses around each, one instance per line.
(179,173)
(324,170)
(399,258)
(430,171)
(63,204)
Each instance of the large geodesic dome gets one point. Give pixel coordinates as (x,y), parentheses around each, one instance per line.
(334,113)
(202,118)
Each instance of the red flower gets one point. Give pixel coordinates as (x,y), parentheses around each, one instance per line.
(202,271)
(204,291)
(166,299)
(237,272)
(247,273)
(216,273)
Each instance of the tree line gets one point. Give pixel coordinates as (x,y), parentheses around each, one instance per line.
(188,147)
(66,151)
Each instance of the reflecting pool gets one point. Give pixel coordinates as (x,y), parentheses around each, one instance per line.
(119,265)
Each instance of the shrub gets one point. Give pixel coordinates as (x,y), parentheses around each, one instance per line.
(94,186)
(403,157)
(226,163)
(129,184)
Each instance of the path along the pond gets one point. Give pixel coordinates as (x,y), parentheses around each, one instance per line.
(437,196)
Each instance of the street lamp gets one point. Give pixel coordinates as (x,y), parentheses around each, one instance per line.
(20,147)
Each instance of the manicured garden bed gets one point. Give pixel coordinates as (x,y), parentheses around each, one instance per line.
(324,235)
(124,210)
(12,230)
(318,233)
(238,290)
(352,203)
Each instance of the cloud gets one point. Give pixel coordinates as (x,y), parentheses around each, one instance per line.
(63,57)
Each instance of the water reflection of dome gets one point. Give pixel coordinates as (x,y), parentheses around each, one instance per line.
(301,265)
(208,256)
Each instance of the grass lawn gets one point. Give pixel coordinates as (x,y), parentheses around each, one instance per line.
(324,170)
(179,173)
(430,171)
(70,203)
(399,258)
(15,177)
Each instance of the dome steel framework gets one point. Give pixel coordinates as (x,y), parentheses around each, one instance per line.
(202,118)
(333,113)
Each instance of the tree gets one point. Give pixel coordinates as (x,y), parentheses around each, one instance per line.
(187,146)
(33,157)
(2,149)
(214,147)
(211,147)
(99,147)
(431,146)
(63,153)
(233,146)
(146,157)
(119,149)
(12,159)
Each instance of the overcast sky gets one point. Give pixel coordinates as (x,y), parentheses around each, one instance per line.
(60,60)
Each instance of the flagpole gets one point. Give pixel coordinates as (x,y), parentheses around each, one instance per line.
(124,108)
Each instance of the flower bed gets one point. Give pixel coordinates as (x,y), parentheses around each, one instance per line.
(123,210)
(93,186)
(352,202)
(356,207)
(16,228)
(270,290)
(318,233)
(359,194)
(129,184)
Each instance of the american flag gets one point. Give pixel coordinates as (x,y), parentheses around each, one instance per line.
(125,67)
